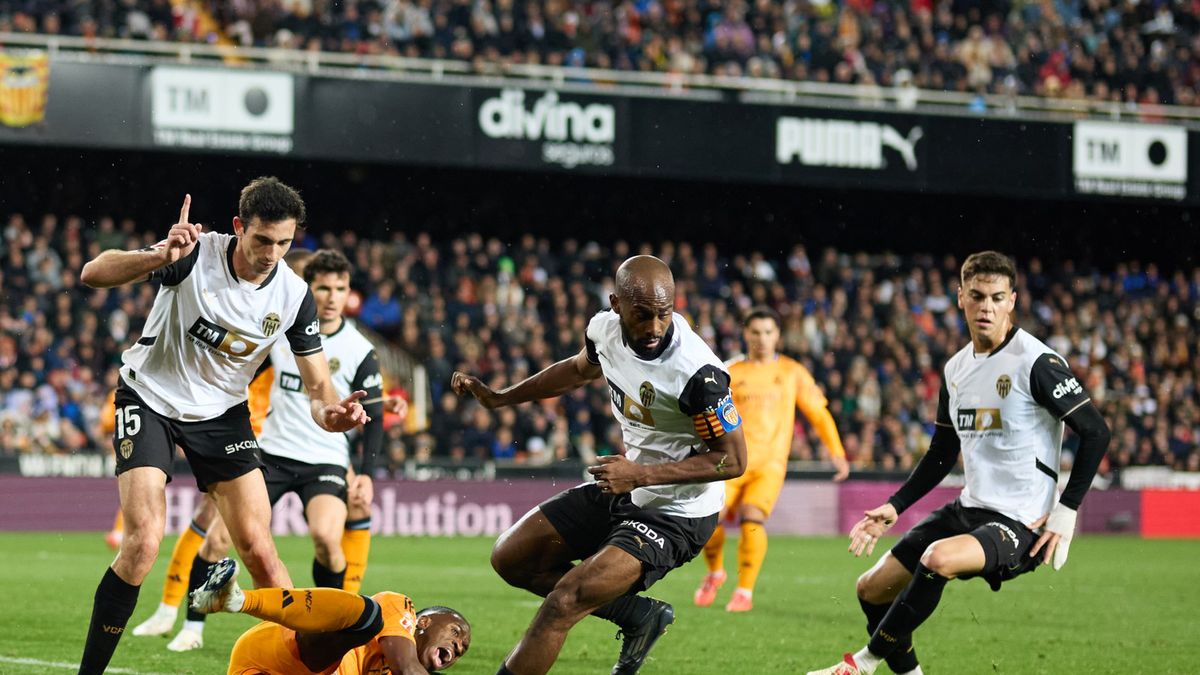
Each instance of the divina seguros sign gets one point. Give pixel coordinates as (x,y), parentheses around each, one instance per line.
(571,133)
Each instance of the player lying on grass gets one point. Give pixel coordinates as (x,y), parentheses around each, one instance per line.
(331,631)
(1003,403)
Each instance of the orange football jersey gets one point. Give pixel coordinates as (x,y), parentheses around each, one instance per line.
(767,395)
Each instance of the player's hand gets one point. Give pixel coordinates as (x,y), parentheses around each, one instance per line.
(1055,541)
(616,475)
(843,468)
(362,492)
(866,532)
(396,405)
(182,236)
(346,414)
(463,383)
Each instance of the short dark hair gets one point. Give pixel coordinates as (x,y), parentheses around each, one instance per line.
(989,263)
(442,609)
(326,261)
(271,201)
(762,312)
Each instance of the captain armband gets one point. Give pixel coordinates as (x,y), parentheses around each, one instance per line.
(716,421)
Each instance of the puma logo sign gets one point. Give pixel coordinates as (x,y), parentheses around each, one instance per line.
(710,378)
(907,147)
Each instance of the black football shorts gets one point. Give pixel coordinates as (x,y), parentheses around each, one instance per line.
(589,519)
(286,475)
(1006,542)
(219,449)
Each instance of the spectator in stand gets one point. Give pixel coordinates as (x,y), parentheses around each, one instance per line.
(381,310)
(1139,54)
(870,327)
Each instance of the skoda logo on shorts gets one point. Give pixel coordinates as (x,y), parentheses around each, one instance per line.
(126,448)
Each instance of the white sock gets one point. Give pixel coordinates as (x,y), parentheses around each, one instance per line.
(164,608)
(867,662)
(914,671)
(236,601)
(744,591)
(196,626)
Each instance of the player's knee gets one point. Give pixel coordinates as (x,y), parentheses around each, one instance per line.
(507,565)
(938,559)
(564,604)
(325,545)
(140,547)
(259,556)
(870,589)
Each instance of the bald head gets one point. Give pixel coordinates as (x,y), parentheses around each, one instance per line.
(645,300)
(644,276)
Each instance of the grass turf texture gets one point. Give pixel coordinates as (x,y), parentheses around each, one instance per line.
(1121,605)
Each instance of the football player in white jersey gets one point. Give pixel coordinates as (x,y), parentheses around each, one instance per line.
(648,511)
(298,457)
(1004,400)
(224,301)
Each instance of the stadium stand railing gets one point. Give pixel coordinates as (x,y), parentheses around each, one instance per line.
(696,86)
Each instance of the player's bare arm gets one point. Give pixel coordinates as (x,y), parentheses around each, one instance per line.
(725,459)
(560,378)
(117,268)
(327,411)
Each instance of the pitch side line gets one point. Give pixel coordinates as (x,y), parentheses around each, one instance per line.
(68,666)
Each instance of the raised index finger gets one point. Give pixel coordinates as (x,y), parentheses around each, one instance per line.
(183,212)
(353,397)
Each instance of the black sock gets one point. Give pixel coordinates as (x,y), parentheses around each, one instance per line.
(504,670)
(915,604)
(323,576)
(196,579)
(626,611)
(111,609)
(904,658)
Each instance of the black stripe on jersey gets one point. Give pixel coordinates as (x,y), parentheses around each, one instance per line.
(1045,469)
(229,261)
(1011,334)
(176,272)
(304,335)
(147,341)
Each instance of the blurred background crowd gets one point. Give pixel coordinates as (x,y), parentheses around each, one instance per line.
(874,329)
(1135,53)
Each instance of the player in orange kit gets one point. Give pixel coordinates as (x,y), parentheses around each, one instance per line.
(767,389)
(327,630)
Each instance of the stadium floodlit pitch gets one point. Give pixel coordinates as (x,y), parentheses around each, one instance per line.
(1122,605)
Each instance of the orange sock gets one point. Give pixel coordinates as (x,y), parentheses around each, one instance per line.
(305,610)
(714,550)
(186,548)
(356,544)
(752,550)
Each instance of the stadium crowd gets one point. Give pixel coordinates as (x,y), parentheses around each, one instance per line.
(874,330)
(1132,53)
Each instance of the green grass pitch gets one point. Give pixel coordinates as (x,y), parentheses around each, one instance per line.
(1121,605)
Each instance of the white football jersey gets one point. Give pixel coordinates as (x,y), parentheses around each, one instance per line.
(289,429)
(1007,408)
(667,407)
(209,331)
